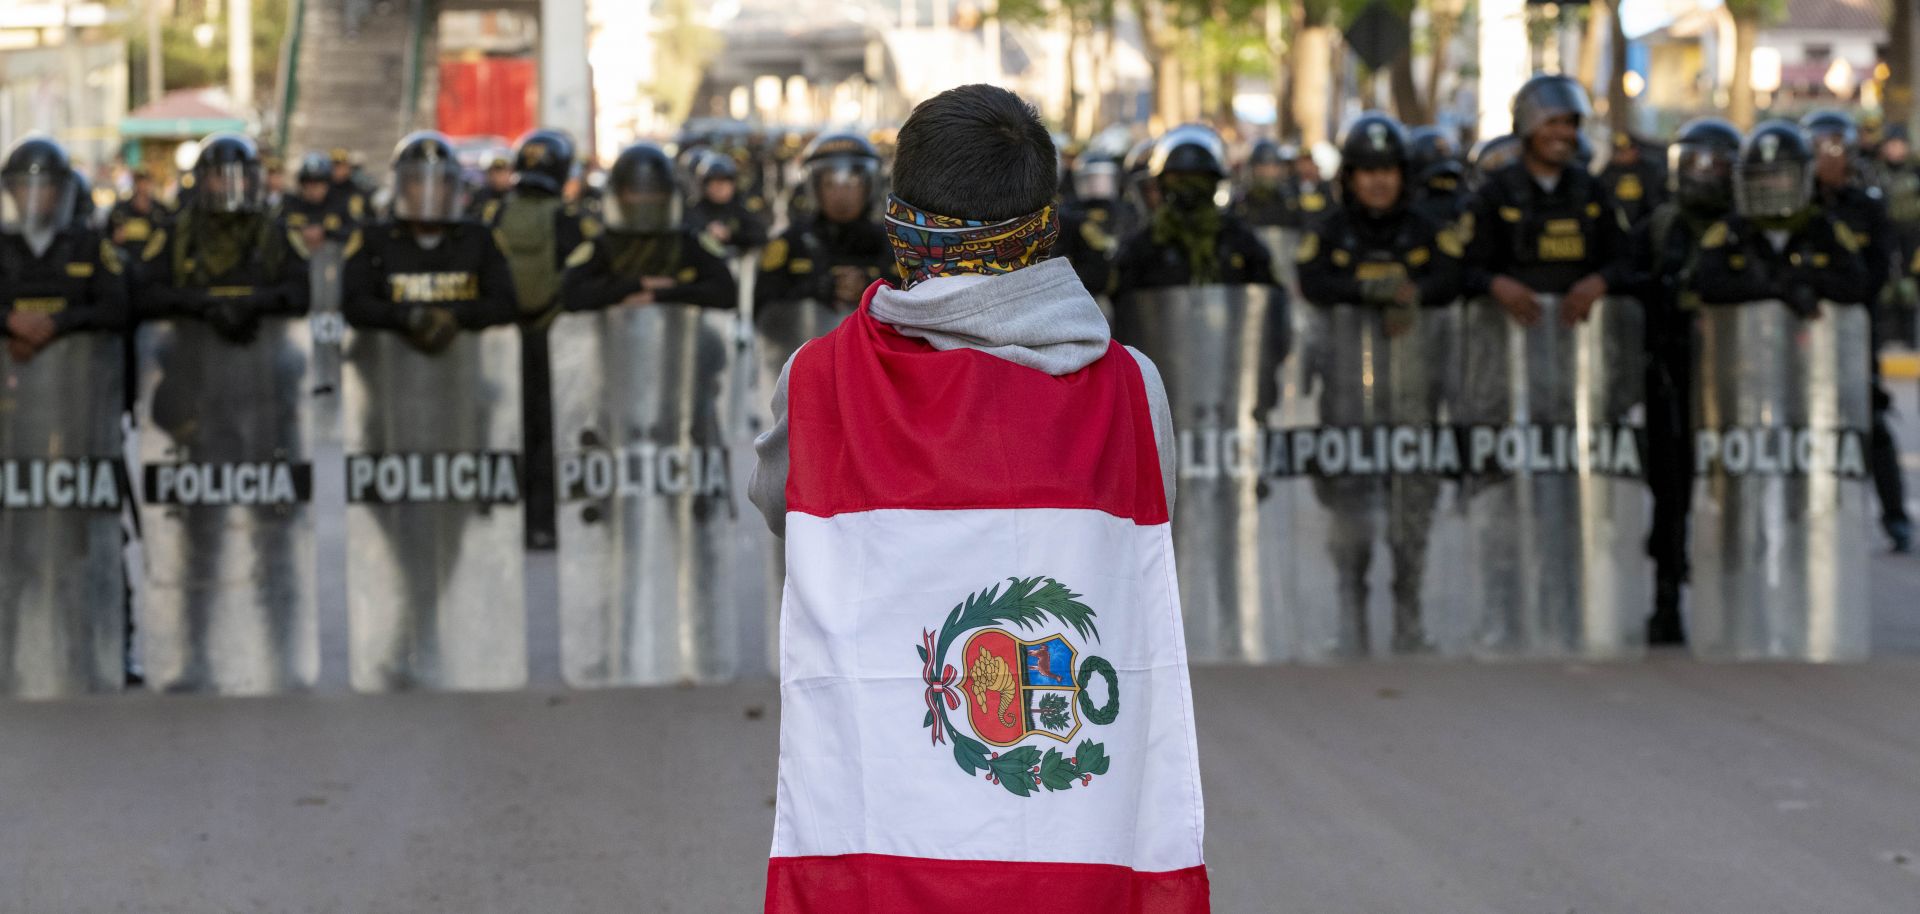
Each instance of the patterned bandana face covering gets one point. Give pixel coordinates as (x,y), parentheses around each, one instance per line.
(927,245)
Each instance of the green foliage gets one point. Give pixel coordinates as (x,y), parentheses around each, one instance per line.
(1026,603)
(1053,712)
(683,48)
(184,63)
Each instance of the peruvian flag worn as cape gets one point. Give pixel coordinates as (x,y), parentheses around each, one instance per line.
(984,693)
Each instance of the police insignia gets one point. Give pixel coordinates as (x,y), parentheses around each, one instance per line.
(1448,240)
(1309,248)
(1850,241)
(713,247)
(775,256)
(1715,237)
(1510,213)
(1629,187)
(155,245)
(1018,690)
(79,269)
(581,255)
(686,275)
(110,257)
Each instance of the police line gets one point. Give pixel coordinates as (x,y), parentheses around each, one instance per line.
(1342,493)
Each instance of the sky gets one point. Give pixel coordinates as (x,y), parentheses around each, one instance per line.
(1643,16)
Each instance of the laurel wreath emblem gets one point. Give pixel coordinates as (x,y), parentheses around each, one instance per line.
(1023,770)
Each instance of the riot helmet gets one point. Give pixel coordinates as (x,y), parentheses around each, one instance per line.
(1096,178)
(39,188)
(1540,109)
(315,168)
(543,160)
(1774,179)
(1830,124)
(642,193)
(226,176)
(83,206)
(1188,164)
(843,174)
(1700,164)
(1430,146)
(1266,169)
(1133,175)
(1372,142)
(428,185)
(1491,155)
(1835,140)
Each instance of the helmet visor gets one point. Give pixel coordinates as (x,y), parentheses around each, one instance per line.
(843,188)
(1703,176)
(1097,181)
(36,202)
(428,192)
(642,210)
(228,187)
(1773,190)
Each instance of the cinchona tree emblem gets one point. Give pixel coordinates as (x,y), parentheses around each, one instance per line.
(1019,693)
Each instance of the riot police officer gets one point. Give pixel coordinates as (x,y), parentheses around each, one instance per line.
(428,272)
(1439,178)
(1189,239)
(719,213)
(1863,209)
(834,253)
(1700,193)
(1307,191)
(538,229)
(1376,250)
(495,182)
(1634,178)
(1087,226)
(226,259)
(1899,183)
(1777,243)
(57,275)
(1543,225)
(316,210)
(133,219)
(646,256)
(1137,190)
(1263,198)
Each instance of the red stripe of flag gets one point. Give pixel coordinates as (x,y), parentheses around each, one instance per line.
(880,884)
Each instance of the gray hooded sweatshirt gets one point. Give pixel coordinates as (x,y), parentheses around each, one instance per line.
(1040,317)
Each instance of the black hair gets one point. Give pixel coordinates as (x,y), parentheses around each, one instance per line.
(975,152)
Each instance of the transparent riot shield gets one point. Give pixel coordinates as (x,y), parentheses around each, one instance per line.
(1782,521)
(436,574)
(1368,465)
(778,332)
(62,583)
(647,421)
(329,329)
(1281,243)
(1556,506)
(1218,349)
(226,484)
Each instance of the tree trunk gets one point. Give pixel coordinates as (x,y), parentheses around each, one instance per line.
(1143,13)
(1407,103)
(1071,122)
(1443,26)
(1746,30)
(1313,74)
(1590,40)
(1619,106)
(1280,41)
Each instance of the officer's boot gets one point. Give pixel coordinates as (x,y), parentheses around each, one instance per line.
(1664,627)
(1409,632)
(1355,633)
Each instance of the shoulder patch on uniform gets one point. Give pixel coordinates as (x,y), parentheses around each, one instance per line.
(1313,203)
(1593,211)
(1418,257)
(490,212)
(1715,237)
(298,244)
(713,247)
(1341,258)
(110,257)
(686,275)
(755,204)
(156,243)
(581,254)
(590,226)
(1849,240)
(1448,240)
(1308,248)
(353,245)
(79,269)
(775,256)
(1510,213)
(356,205)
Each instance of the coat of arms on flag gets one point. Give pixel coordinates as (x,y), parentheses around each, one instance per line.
(1018,693)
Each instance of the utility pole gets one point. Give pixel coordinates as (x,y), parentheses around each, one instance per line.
(240,55)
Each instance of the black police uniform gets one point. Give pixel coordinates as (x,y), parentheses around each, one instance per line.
(1142,264)
(1440,193)
(337,215)
(187,272)
(1267,205)
(80,281)
(1346,249)
(1638,189)
(389,274)
(1546,239)
(745,222)
(603,272)
(799,264)
(1087,241)
(1306,202)
(1821,260)
(132,225)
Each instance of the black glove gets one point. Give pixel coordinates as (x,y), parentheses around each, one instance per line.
(431,328)
(235,319)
